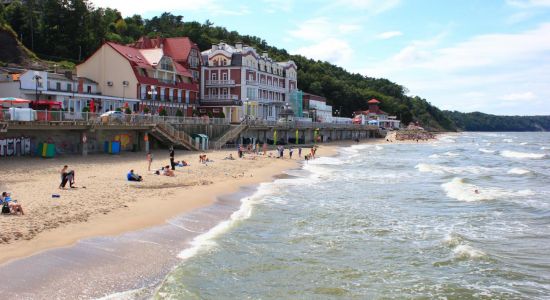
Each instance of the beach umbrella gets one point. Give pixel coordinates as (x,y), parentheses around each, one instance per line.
(297,135)
(275,137)
(11,101)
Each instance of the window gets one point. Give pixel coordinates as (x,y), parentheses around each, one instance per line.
(214,76)
(58,86)
(224,91)
(89,89)
(224,76)
(69,87)
(224,62)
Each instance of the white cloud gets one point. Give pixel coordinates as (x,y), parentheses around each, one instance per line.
(481,73)
(519,96)
(528,3)
(334,50)
(389,34)
(274,6)
(373,6)
(214,7)
(326,40)
(321,28)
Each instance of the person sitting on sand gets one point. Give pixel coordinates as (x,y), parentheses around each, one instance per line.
(167,172)
(131,176)
(182,163)
(13,206)
(66,176)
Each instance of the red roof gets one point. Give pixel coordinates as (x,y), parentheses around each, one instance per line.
(373,101)
(182,70)
(178,48)
(131,54)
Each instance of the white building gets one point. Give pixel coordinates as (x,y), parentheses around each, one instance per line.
(74,93)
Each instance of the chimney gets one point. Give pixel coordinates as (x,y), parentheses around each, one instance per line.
(239,45)
(264,54)
(214,47)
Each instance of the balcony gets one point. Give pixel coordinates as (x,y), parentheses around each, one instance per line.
(221,100)
(252,82)
(220,82)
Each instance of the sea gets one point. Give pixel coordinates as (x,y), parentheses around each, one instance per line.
(467,216)
(464,216)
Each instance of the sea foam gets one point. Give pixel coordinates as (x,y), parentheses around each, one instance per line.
(518,171)
(486,150)
(515,154)
(467,251)
(460,190)
(438,169)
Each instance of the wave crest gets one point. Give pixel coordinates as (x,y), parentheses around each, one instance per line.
(515,154)
(460,190)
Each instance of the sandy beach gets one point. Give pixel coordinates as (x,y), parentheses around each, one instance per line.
(105,203)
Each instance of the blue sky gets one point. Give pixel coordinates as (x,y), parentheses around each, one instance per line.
(471,55)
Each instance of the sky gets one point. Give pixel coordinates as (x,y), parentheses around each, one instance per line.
(467,55)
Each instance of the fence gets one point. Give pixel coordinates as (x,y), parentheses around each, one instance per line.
(30,115)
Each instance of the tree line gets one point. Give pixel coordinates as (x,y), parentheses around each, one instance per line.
(73,29)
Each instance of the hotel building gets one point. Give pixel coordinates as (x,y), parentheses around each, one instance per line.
(239,82)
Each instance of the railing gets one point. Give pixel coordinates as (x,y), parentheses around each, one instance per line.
(218,144)
(88,118)
(177,135)
(252,82)
(220,97)
(220,82)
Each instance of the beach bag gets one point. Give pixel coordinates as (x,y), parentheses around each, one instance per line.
(6,208)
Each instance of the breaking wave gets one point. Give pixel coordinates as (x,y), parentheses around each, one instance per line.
(515,154)
(462,191)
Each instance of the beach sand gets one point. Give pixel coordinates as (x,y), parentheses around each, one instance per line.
(106,204)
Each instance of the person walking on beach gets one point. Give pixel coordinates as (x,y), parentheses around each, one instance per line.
(149,160)
(290,151)
(265,148)
(172,163)
(300,152)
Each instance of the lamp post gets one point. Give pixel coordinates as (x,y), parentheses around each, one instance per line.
(37,79)
(124,85)
(152,93)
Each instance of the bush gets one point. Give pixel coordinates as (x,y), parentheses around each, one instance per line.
(118,109)
(210,114)
(85,109)
(221,115)
(146,110)
(163,112)
(179,113)
(128,111)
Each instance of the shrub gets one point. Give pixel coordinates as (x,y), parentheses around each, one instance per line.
(118,109)
(179,113)
(163,112)
(146,110)
(128,111)
(85,109)
(221,115)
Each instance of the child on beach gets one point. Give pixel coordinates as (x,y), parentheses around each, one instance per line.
(149,161)
(131,176)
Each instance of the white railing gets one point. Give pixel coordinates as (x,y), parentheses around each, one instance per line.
(220,82)
(87,118)
(252,82)
(220,97)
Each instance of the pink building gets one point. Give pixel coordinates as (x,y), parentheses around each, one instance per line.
(239,82)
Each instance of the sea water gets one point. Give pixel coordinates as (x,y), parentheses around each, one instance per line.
(383,221)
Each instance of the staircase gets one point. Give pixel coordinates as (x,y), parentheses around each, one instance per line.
(229,135)
(167,134)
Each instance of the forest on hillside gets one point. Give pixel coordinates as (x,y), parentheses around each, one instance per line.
(71,30)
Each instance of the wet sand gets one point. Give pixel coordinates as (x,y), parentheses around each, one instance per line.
(93,257)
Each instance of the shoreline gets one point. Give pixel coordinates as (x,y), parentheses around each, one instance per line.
(137,214)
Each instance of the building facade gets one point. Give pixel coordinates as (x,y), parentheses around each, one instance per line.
(316,108)
(237,82)
(72,92)
(151,72)
(375,116)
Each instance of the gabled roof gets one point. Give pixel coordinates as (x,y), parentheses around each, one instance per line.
(373,101)
(178,47)
(131,54)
